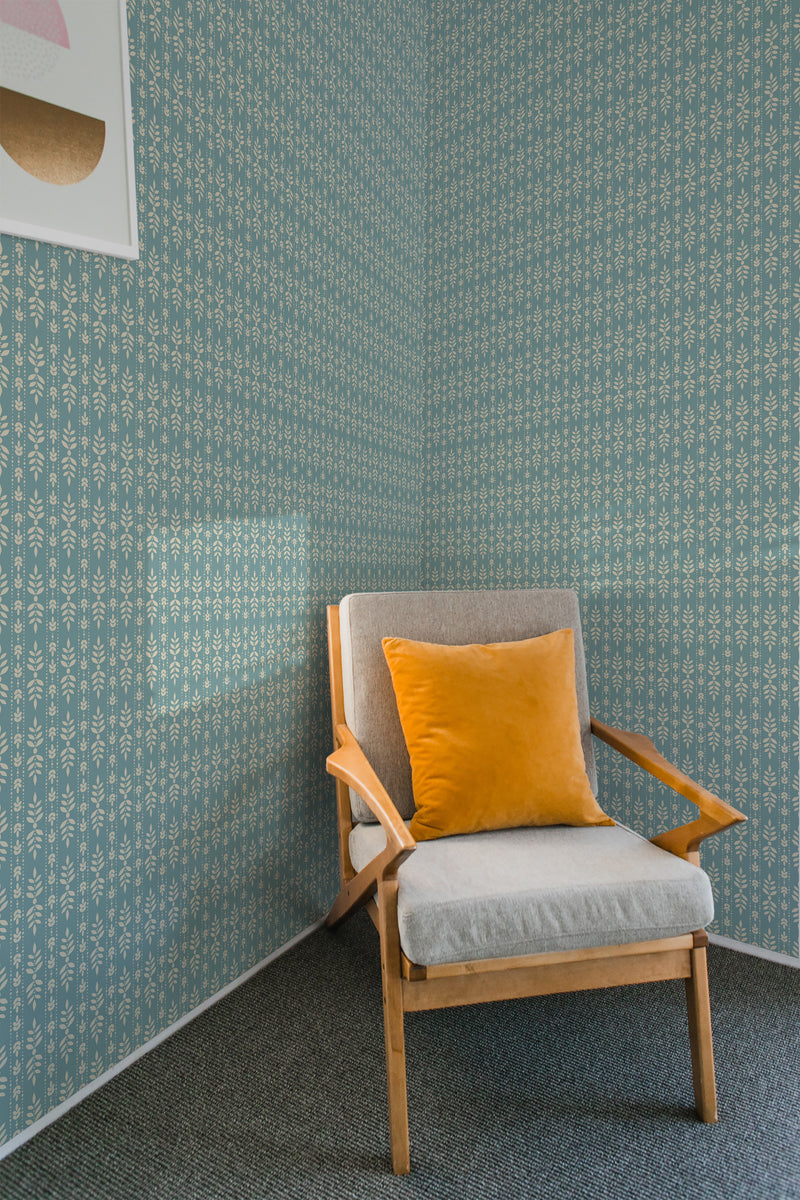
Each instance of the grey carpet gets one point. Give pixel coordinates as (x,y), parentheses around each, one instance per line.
(278,1091)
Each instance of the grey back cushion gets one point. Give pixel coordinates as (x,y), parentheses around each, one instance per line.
(449,618)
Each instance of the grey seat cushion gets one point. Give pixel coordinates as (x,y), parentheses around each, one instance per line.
(529,891)
(449,618)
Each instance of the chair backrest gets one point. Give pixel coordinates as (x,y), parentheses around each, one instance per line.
(449,618)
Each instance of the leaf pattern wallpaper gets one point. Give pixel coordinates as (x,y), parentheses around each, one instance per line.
(199,451)
(443,295)
(613,260)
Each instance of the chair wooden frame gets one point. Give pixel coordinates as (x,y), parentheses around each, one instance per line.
(411,987)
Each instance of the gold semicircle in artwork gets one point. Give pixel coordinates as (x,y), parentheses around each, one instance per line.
(51,143)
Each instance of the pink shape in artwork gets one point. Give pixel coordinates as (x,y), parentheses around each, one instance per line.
(42,18)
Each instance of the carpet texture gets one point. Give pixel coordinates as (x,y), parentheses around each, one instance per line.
(278,1092)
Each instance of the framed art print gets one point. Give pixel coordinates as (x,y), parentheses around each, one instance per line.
(66,143)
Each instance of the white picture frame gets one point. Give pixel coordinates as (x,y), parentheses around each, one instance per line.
(85,84)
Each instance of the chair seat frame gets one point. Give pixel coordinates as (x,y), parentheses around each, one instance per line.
(413,987)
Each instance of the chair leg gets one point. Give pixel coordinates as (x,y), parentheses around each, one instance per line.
(393,1026)
(699,1011)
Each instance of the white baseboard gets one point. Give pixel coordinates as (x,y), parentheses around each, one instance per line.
(14,1143)
(785,960)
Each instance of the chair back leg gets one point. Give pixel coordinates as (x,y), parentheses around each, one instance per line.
(699,1011)
(391,975)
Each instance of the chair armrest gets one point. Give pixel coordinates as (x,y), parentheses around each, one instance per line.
(350,764)
(715,814)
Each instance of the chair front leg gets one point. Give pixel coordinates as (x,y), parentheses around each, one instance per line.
(393,1025)
(699,1011)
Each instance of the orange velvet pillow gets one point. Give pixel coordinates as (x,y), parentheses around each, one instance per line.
(493,734)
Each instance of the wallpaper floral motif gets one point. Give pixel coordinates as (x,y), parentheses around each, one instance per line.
(198,452)
(458,294)
(612,268)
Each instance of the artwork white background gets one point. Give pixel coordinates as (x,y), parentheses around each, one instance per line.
(90,77)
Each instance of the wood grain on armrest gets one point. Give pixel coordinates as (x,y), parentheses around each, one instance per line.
(715,814)
(350,764)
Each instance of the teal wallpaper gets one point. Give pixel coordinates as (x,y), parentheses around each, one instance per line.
(612,264)
(198,451)
(461,294)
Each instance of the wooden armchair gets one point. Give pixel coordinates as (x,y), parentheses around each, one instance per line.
(430,900)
